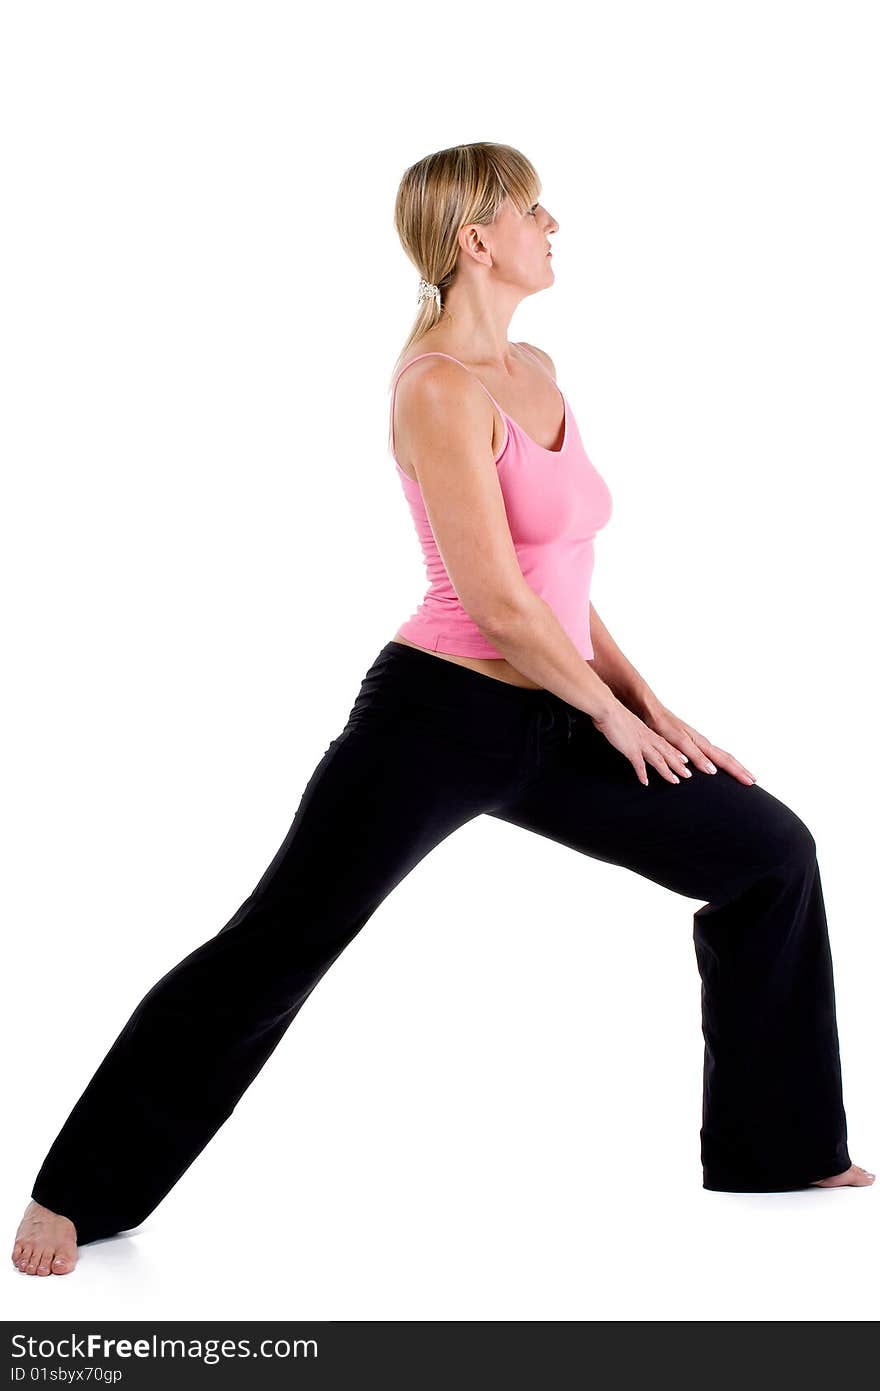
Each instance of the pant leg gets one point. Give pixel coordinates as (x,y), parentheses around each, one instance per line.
(383,795)
(773,1114)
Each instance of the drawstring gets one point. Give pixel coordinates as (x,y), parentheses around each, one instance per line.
(550,707)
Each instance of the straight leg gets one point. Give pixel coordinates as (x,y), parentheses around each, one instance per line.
(379,800)
(773,1115)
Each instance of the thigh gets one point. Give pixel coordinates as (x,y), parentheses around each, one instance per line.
(427,747)
(707,836)
(378,801)
(375,805)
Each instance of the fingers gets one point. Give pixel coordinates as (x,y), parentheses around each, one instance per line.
(736,769)
(670,760)
(675,758)
(659,762)
(656,757)
(727,761)
(705,764)
(700,755)
(702,751)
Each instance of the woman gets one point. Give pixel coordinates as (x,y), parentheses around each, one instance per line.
(502,694)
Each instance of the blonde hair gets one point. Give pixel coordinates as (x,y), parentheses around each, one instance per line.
(443,192)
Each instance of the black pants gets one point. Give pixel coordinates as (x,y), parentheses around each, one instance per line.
(428,746)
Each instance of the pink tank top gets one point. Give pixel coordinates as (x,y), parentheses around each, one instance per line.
(555,502)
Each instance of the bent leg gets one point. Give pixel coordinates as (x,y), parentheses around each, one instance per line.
(773,1115)
(374,806)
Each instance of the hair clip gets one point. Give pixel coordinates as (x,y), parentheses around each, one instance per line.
(426,289)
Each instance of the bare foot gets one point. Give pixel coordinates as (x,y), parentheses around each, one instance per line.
(45,1243)
(853,1177)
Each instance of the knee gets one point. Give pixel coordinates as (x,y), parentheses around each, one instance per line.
(777,835)
(797,843)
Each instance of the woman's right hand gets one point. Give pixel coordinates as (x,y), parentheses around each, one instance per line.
(640,744)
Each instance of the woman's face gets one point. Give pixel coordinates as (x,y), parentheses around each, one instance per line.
(519,242)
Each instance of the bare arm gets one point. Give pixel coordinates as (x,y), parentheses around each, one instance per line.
(444,431)
(618,673)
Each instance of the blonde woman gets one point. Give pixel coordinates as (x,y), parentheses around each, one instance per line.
(502,694)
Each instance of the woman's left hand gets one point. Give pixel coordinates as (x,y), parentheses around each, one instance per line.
(695,746)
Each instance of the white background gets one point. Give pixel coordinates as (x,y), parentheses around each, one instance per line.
(205,545)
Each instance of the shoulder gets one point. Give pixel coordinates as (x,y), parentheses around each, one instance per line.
(438,398)
(435,380)
(545,357)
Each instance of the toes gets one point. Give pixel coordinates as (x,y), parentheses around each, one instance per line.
(37,1259)
(860,1177)
(43,1257)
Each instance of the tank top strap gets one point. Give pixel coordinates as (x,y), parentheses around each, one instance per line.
(417,358)
(535,358)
